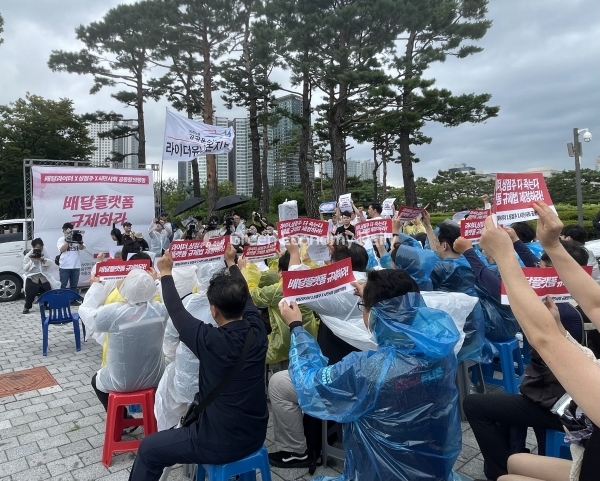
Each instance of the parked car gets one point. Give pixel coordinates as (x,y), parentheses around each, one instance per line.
(13,244)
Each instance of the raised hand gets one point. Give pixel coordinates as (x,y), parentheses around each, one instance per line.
(549,226)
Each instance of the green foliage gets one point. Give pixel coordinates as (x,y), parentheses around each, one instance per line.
(561,186)
(1,28)
(36,128)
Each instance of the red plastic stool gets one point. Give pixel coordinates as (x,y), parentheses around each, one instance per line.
(116,422)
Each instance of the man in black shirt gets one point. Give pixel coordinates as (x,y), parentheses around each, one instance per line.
(346,230)
(235,424)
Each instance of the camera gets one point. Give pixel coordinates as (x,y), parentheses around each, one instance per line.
(256,216)
(74,235)
(191,232)
(36,253)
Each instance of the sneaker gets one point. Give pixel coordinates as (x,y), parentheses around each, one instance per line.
(25,311)
(285,459)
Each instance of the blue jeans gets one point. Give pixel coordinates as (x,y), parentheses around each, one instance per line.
(69,276)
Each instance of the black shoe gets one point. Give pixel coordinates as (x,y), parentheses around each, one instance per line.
(285,459)
(25,311)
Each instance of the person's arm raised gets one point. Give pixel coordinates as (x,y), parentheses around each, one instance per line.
(431,237)
(577,373)
(580,285)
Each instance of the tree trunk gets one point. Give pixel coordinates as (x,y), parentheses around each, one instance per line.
(410,189)
(384,160)
(338,141)
(211,159)
(253,111)
(308,189)
(375,168)
(195,173)
(140,119)
(265,200)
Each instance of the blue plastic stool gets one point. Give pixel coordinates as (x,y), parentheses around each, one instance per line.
(509,353)
(246,468)
(556,446)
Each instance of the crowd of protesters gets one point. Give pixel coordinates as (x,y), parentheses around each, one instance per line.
(380,360)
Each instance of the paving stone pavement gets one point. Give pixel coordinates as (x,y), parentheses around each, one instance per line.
(57,432)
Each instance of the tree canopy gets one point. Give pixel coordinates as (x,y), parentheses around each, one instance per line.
(36,128)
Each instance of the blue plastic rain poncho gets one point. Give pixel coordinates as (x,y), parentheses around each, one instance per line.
(398,403)
(448,275)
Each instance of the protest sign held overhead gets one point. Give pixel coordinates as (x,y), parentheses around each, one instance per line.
(308,285)
(261,252)
(191,252)
(387,207)
(345,203)
(186,139)
(313,228)
(472,226)
(408,213)
(116,269)
(327,207)
(545,281)
(374,228)
(514,194)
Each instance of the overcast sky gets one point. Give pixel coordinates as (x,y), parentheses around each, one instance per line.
(541,63)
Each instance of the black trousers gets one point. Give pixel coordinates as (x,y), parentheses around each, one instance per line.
(173,446)
(33,289)
(494,416)
(102,396)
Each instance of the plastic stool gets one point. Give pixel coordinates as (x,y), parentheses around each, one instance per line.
(116,422)
(556,446)
(510,353)
(246,468)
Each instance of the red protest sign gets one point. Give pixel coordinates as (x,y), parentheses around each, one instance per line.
(408,213)
(262,252)
(116,269)
(514,194)
(373,228)
(472,226)
(190,252)
(309,285)
(302,227)
(544,281)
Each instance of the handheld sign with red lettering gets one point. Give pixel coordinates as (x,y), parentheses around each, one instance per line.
(514,194)
(545,281)
(191,252)
(373,228)
(472,226)
(408,213)
(116,269)
(261,252)
(302,227)
(309,285)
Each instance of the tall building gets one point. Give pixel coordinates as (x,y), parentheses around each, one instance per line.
(287,172)
(242,157)
(105,147)
(363,169)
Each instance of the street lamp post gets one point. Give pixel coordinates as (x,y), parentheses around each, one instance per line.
(575,148)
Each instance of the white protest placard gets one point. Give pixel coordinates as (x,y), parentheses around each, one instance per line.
(472,226)
(544,281)
(327,207)
(186,139)
(308,285)
(261,252)
(373,228)
(318,252)
(191,252)
(387,208)
(91,199)
(408,213)
(345,203)
(312,228)
(514,195)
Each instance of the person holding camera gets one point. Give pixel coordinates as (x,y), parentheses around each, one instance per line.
(36,279)
(160,233)
(69,264)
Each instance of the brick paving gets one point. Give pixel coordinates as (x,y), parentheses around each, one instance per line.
(57,432)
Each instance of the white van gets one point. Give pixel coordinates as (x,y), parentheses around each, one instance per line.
(13,244)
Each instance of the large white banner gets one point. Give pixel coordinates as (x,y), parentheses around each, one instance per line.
(186,139)
(91,199)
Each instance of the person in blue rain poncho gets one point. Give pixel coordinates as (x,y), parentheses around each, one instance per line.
(398,404)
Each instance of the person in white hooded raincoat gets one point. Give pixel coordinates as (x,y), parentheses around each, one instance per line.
(179,383)
(135,325)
